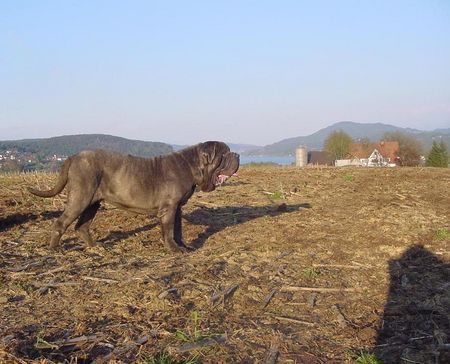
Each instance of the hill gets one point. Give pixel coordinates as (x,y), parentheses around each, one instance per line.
(72,144)
(372,131)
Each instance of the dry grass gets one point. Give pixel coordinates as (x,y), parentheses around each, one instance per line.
(294,265)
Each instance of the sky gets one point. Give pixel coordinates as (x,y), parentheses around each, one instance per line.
(243,71)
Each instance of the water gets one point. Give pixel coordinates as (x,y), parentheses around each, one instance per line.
(285,160)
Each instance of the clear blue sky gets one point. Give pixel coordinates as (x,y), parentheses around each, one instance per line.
(239,71)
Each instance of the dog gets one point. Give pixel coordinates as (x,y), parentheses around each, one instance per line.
(157,186)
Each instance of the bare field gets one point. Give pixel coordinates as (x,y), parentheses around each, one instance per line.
(312,265)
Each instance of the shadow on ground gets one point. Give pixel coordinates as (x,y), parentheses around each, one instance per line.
(116,236)
(218,219)
(13,220)
(416,319)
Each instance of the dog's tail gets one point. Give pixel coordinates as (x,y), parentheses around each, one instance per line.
(60,184)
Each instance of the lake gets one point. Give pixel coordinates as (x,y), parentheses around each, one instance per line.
(285,161)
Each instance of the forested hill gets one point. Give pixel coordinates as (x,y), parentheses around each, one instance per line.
(72,144)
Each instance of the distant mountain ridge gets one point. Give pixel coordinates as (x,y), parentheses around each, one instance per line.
(372,131)
(237,148)
(242,148)
(72,144)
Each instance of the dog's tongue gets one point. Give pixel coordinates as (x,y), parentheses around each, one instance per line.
(221,178)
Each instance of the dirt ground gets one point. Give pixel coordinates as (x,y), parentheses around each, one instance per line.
(312,265)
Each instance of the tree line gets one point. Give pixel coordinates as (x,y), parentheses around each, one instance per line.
(410,153)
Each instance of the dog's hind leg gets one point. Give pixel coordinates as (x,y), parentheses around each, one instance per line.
(75,206)
(84,221)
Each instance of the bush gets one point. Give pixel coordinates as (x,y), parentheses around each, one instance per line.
(410,148)
(337,145)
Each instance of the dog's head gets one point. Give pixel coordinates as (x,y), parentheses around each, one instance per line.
(217,164)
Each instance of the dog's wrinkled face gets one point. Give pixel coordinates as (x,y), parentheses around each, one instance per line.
(217,164)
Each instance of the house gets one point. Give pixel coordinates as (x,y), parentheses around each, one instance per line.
(379,154)
(319,157)
(347,162)
(389,150)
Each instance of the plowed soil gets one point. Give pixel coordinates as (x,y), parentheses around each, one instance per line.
(312,265)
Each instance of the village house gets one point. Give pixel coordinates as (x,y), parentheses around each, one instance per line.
(8,155)
(378,154)
(58,158)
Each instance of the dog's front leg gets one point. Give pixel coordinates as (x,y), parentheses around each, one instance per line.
(178,232)
(168,218)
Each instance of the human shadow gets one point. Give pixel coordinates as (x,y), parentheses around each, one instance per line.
(219,218)
(416,319)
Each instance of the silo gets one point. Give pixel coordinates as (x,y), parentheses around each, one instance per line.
(301,157)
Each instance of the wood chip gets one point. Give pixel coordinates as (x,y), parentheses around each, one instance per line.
(56,270)
(167,292)
(77,340)
(36,263)
(59,284)
(272,355)
(294,320)
(339,316)
(224,295)
(268,298)
(339,266)
(317,289)
(106,280)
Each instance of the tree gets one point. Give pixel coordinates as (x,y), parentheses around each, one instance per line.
(438,156)
(10,166)
(337,144)
(366,145)
(410,149)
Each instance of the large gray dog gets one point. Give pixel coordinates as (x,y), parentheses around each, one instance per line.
(157,186)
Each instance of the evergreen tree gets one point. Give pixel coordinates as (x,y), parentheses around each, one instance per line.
(438,156)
